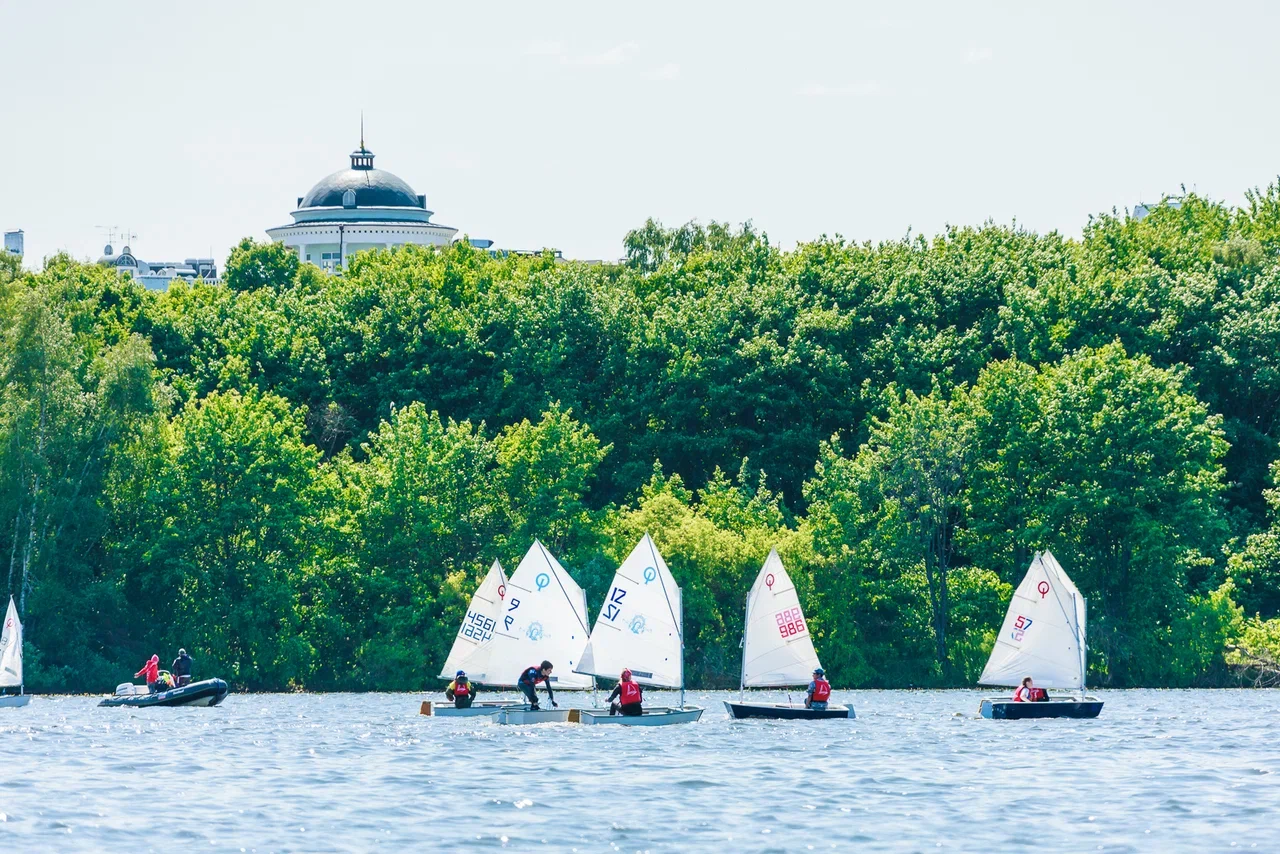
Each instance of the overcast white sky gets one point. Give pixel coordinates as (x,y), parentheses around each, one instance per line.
(565,125)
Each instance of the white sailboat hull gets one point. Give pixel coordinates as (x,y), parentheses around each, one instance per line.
(448,710)
(14,701)
(657,716)
(520,715)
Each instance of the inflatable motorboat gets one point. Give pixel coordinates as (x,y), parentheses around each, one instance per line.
(208,692)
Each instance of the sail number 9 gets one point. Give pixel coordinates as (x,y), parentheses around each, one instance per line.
(611,609)
(508,619)
(790,622)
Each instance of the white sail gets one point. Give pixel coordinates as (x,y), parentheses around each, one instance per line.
(640,628)
(11,648)
(470,650)
(777,649)
(1043,633)
(544,616)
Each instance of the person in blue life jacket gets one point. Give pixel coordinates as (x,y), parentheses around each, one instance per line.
(528,682)
(461,691)
(629,695)
(819,691)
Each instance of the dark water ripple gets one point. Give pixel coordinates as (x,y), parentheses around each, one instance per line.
(917,771)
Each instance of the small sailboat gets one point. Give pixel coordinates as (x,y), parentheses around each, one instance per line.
(471,647)
(543,616)
(777,649)
(640,629)
(1042,637)
(11,659)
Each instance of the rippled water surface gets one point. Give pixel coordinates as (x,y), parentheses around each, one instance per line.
(1159,771)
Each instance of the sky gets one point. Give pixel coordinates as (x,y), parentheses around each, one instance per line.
(564,125)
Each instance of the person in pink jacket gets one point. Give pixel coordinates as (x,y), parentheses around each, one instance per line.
(151,670)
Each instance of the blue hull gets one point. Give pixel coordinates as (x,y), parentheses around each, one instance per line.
(1008,710)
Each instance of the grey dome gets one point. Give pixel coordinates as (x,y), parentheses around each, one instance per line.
(373,188)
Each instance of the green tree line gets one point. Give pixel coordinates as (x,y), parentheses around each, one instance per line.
(301,477)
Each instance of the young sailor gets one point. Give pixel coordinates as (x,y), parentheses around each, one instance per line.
(629,695)
(1027,692)
(529,680)
(151,670)
(819,691)
(181,668)
(461,691)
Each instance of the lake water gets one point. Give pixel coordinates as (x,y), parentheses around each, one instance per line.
(917,771)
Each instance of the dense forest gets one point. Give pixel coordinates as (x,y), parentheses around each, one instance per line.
(301,477)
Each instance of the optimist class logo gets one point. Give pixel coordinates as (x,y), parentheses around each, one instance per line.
(1043,587)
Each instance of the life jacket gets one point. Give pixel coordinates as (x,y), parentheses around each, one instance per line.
(1017,695)
(532,676)
(821,690)
(630,693)
(461,689)
(1038,695)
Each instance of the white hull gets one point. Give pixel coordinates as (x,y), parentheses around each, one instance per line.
(517,715)
(657,716)
(14,701)
(476,710)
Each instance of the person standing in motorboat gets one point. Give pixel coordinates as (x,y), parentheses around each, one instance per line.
(819,691)
(181,668)
(461,691)
(151,672)
(529,680)
(629,695)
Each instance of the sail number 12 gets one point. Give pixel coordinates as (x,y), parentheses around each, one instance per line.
(611,609)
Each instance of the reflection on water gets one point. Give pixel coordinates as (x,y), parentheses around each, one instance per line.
(1160,770)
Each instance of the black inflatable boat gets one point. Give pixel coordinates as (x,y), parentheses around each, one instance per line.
(209,692)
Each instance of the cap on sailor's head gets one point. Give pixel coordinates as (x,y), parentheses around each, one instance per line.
(818,671)
(462,674)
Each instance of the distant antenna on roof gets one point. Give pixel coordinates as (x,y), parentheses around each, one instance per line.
(362,130)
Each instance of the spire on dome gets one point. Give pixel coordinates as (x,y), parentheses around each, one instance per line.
(362,158)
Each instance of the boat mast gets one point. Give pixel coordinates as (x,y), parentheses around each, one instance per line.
(742,673)
(1084,656)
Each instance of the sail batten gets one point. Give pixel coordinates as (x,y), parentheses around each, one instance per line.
(777,647)
(640,627)
(1043,634)
(11,649)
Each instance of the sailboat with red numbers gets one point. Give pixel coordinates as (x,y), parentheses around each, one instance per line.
(777,649)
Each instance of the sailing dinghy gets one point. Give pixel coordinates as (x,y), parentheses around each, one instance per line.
(777,649)
(470,651)
(640,629)
(11,659)
(543,616)
(1042,637)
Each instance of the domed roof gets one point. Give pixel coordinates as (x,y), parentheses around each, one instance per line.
(373,187)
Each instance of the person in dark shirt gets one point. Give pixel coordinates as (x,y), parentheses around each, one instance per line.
(181,668)
(529,680)
(631,696)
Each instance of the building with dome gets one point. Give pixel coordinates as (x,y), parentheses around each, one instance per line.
(359,208)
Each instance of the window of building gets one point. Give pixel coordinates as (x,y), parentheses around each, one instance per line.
(331,261)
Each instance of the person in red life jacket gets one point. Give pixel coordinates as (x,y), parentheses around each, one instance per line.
(630,697)
(819,691)
(461,691)
(1027,692)
(151,670)
(529,680)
